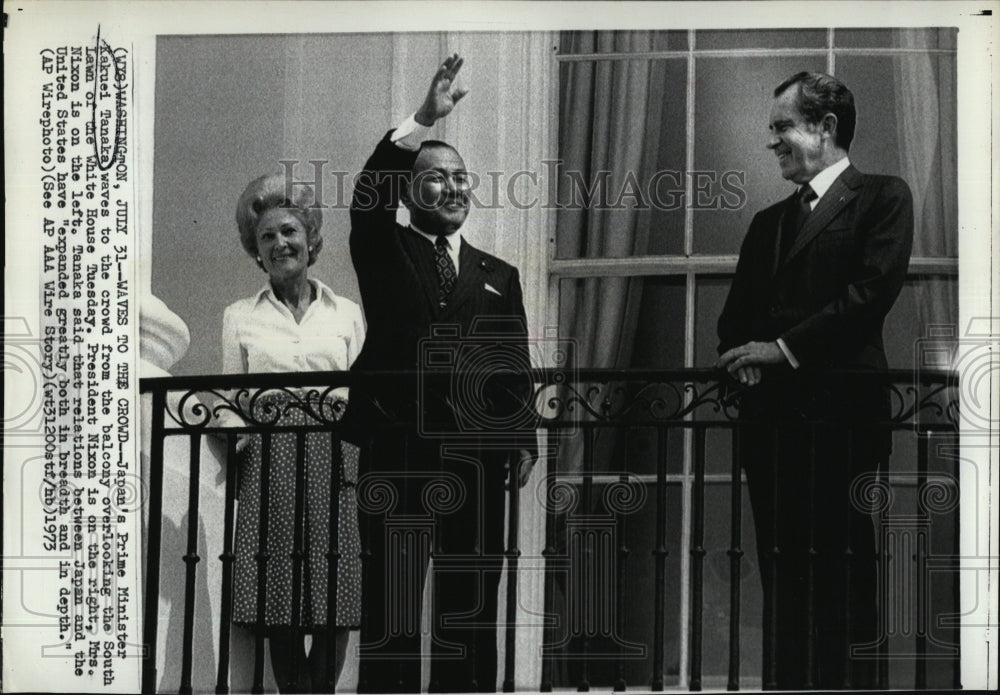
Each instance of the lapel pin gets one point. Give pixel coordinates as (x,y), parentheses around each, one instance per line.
(485,266)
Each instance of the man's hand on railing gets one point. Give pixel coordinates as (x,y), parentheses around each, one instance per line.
(748,375)
(744,362)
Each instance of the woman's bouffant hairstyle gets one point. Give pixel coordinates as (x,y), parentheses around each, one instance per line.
(270,191)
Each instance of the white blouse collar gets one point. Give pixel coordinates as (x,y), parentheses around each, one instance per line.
(322,291)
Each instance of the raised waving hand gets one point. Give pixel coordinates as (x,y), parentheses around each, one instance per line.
(443,94)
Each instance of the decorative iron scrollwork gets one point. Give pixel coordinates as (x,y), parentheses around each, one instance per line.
(262,407)
(628,397)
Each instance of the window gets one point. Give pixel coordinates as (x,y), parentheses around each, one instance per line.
(662,142)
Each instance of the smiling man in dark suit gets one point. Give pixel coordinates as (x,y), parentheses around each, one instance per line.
(436,304)
(816,276)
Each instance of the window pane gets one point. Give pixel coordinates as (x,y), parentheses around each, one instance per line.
(715,610)
(710,295)
(576,42)
(873,80)
(910,99)
(718,444)
(923,302)
(668,140)
(741,38)
(659,334)
(622,152)
(623,321)
(894,38)
(862,38)
(737,174)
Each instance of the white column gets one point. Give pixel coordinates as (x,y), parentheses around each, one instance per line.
(163,340)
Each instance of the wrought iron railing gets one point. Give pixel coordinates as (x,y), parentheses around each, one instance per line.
(580,647)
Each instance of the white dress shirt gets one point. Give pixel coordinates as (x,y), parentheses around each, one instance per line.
(409,134)
(822,181)
(454,243)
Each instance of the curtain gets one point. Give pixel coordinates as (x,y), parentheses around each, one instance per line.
(609,122)
(926,117)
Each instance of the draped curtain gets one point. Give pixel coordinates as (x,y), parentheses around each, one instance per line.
(609,122)
(925,107)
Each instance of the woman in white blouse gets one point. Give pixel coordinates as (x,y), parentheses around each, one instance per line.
(293,324)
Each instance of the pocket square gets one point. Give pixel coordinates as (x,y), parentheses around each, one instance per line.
(490,288)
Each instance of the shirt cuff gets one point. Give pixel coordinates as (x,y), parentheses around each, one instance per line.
(409,134)
(788,354)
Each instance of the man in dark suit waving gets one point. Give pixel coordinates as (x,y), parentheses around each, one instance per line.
(816,276)
(434,485)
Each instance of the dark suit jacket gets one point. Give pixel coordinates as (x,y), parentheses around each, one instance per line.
(828,298)
(482,327)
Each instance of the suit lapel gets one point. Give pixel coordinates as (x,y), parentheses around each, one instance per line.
(470,277)
(841,192)
(775,239)
(420,254)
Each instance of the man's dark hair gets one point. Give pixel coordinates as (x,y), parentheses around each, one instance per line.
(820,94)
(434,145)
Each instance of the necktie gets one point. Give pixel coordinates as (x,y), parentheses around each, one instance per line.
(445,269)
(795,217)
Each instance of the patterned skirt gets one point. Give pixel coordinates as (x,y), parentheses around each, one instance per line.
(318,469)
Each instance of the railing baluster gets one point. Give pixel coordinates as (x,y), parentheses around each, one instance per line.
(227,557)
(588,612)
(337,481)
(920,677)
(884,560)
(298,515)
(262,558)
(771,592)
(548,555)
(811,553)
(660,555)
(191,563)
(413,582)
(621,532)
(365,522)
(849,569)
(513,553)
(956,604)
(153,542)
(697,555)
(735,557)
